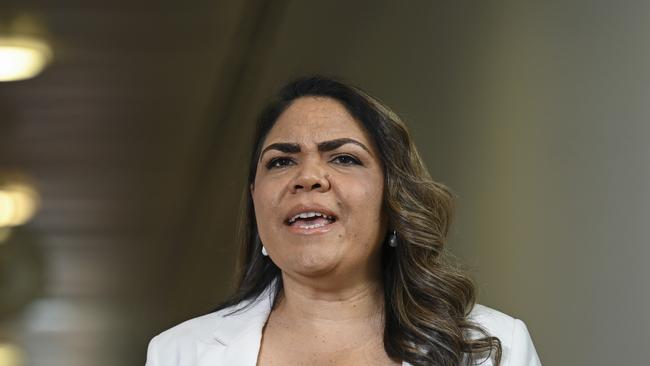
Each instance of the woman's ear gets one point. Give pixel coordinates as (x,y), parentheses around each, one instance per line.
(252,188)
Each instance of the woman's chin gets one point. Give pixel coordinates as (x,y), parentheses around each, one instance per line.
(314,264)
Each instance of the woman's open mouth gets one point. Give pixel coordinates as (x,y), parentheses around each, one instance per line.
(310,222)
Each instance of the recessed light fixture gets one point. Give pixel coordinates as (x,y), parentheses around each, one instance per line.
(11,355)
(22,57)
(18,204)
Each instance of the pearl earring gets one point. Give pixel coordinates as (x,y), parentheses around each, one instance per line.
(264,252)
(392,241)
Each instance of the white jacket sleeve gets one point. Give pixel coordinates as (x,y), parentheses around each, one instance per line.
(523,350)
(152,353)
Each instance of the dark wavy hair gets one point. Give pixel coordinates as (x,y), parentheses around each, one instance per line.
(427,299)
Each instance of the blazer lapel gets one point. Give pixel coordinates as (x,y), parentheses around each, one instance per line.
(237,337)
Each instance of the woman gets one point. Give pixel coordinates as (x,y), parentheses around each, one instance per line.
(342,256)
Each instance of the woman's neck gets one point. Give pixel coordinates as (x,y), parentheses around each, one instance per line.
(303,302)
(314,326)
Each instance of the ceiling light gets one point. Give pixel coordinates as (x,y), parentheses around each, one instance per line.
(22,57)
(11,355)
(18,204)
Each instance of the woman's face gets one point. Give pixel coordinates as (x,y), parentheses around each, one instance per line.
(318,193)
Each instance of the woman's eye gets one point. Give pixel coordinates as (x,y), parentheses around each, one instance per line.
(346,160)
(279,163)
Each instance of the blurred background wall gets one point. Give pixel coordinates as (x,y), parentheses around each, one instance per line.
(136,137)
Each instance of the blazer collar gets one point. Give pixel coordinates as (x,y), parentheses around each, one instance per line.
(234,338)
(237,337)
(239,320)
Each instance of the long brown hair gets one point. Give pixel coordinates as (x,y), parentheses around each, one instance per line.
(427,300)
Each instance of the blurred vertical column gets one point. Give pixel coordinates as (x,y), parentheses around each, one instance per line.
(23,55)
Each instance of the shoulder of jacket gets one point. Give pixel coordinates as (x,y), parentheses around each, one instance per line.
(516,343)
(197,328)
(493,321)
(178,344)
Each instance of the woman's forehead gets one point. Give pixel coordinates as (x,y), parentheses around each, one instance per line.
(309,120)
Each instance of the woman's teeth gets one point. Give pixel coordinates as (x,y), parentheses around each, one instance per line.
(311,217)
(311,224)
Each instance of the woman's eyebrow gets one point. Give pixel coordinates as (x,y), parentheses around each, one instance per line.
(336,143)
(285,147)
(329,145)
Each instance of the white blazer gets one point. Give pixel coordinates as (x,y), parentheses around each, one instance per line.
(234,340)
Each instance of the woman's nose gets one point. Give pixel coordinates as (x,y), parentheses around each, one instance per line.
(310,179)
